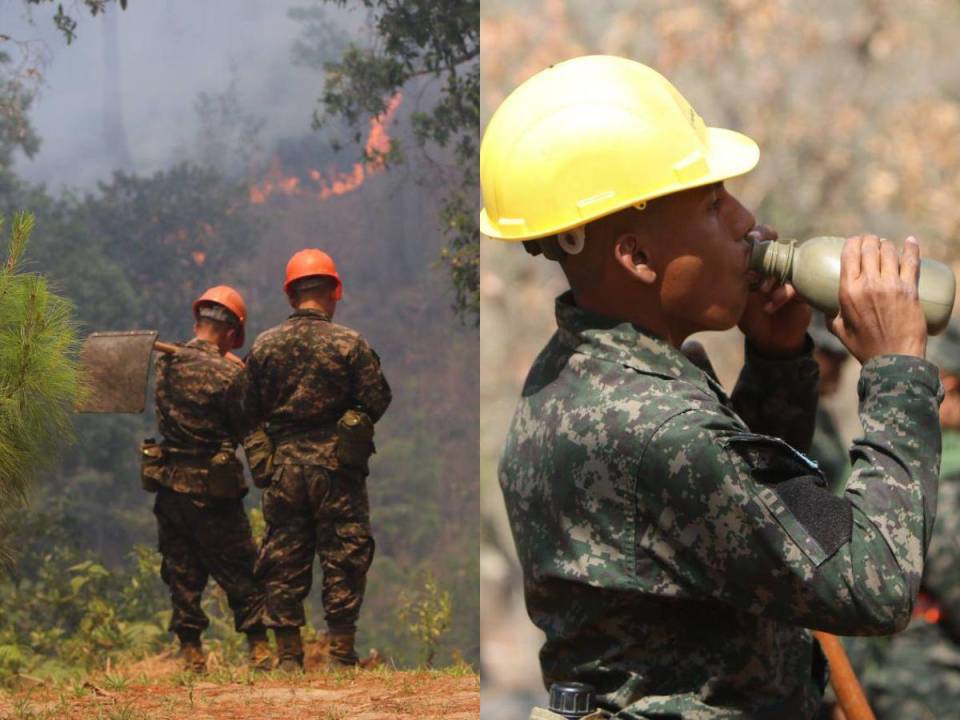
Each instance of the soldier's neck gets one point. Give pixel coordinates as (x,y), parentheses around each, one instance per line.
(326,307)
(212,336)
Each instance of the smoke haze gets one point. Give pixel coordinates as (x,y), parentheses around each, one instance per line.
(167,54)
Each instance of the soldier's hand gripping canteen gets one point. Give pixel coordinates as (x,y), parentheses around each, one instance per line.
(114,367)
(813,268)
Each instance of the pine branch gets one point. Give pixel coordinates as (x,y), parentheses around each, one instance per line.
(39,382)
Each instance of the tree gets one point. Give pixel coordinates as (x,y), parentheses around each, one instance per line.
(16,132)
(65,22)
(39,382)
(426,41)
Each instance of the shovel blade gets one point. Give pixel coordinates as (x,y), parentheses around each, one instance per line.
(114,366)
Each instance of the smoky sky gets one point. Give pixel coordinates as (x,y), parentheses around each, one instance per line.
(166,54)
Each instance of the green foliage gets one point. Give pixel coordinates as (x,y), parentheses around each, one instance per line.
(66,612)
(39,382)
(174,233)
(427,614)
(417,40)
(66,23)
(16,132)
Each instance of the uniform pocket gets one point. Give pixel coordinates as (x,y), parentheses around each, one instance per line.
(355,439)
(152,465)
(794,490)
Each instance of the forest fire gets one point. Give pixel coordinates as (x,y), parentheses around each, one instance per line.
(323,185)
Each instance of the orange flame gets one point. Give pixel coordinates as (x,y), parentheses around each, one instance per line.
(334,182)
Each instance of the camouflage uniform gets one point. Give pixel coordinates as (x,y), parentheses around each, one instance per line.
(300,378)
(827,448)
(829,452)
(672,554)
(920,673)
(201,535)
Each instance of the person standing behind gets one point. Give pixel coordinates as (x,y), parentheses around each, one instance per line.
(919,677)
(203,528)
(318,388)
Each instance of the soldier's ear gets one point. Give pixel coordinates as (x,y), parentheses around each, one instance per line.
(632,256)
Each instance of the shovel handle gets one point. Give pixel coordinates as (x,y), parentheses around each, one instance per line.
(163,347)
(849,693)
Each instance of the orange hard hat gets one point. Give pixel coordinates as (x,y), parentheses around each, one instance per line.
(230,299)
(309,262)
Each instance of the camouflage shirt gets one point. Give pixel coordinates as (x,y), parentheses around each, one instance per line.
(674,542)
(301,376)
(919,676)
(197,405)
(829,451)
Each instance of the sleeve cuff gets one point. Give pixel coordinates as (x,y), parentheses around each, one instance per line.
(887,373)
(802,366)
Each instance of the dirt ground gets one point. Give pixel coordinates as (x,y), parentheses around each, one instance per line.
(154,689)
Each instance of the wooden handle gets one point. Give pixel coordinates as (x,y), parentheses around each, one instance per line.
(849,693)
(163,347)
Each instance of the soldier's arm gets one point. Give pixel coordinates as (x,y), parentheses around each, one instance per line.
(246,408)
(746,519)
(369,386)
(779,397)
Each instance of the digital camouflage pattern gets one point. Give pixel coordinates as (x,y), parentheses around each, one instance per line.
(201,536)
(919,677)
(674,542)
(198,407)
(309,509)
(300,377)
(829,452)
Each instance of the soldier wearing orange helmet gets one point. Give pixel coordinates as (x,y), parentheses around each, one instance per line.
(318,388)
(203,529)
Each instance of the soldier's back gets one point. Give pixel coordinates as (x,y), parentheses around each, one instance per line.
(304,374)
(192,395)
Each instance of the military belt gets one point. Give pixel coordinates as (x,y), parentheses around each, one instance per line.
(278,437)
(181,453)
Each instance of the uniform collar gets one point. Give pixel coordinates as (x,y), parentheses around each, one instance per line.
(204,345)
(311,313)
(624,343)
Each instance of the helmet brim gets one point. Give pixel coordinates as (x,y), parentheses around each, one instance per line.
(729,154)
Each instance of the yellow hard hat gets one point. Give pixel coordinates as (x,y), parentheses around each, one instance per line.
(591,136)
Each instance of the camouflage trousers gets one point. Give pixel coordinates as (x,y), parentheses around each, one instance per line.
(203,537)
(309,509)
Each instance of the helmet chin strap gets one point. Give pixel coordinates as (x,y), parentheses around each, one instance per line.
(572,241)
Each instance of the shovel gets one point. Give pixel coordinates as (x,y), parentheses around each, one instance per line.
(114,366)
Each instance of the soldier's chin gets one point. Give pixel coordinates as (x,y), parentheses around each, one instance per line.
(723,318)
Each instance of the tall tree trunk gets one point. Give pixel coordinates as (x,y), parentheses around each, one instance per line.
(114,132)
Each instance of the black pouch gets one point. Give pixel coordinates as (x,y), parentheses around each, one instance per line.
(259,450)
(225,473)
(152,465)
(355,439)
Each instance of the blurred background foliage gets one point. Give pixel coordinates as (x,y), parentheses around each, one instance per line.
(131,252)
(856,108)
